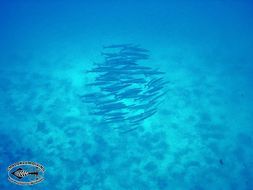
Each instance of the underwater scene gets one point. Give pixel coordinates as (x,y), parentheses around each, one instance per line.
(126,95)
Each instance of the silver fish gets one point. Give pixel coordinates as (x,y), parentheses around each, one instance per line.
(118,46)
(134,48)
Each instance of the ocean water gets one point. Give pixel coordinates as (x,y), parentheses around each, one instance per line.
(200,135)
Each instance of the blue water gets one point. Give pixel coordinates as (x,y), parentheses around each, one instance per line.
(200,137)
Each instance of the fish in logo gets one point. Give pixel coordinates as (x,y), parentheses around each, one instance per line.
(20,173)
(26,173)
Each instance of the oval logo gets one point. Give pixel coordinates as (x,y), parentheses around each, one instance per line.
(26,173)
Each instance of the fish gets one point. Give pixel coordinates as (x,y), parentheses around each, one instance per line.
(131,93)
(135,67)
(114,117)
(107,100)
(132,53)
(155,89)
(146,115)
(134,81)
(118,59)
(119,120)
(20,173)
(153,81)
(113,114)
(115,88)
(113,106)
(134,48)
(120,62)
(135,54)
(153,100)
(117,46)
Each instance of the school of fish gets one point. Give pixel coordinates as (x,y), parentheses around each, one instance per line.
(125,93)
